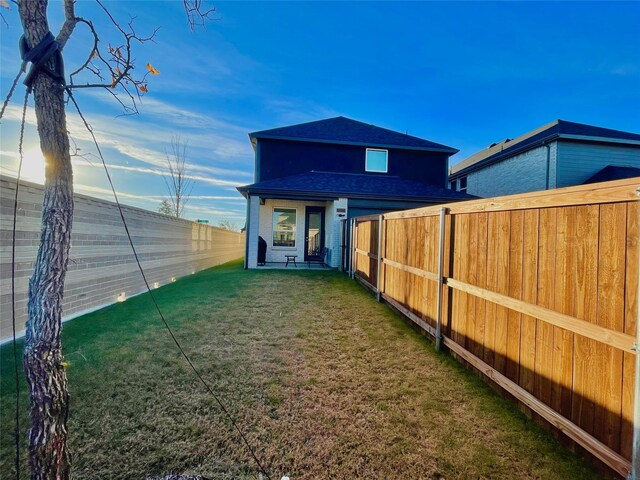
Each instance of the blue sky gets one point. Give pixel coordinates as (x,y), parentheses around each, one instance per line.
(458,73)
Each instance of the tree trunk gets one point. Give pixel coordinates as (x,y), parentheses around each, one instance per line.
(46,376)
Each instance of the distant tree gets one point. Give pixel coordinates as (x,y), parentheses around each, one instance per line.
(165,208)
(178,182)
(228,225)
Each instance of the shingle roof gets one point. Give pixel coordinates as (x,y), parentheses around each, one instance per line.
(351,185)
(548,132)
(613,172)
(346,130)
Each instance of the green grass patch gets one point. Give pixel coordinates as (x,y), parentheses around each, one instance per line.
(325,382)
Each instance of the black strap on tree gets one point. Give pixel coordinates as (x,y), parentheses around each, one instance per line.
(39,56)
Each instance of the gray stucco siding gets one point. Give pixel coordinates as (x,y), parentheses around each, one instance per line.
(526,172)
(581,160)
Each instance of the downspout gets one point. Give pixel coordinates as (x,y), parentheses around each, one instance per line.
(246,233)
(548,175)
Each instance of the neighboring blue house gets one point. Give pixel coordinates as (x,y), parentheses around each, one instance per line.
(559,154)
(310,178)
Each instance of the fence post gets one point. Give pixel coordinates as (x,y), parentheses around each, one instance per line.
(634,474)
(380,220)
(355,247)
(352,247)
(348,247)
(443,212)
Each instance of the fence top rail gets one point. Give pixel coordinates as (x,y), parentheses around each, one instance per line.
(607,192)
(367,218)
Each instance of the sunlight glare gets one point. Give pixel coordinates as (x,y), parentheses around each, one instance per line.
(33,166)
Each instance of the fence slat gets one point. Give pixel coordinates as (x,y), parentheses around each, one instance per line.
(530,296)
(562,379)
(514,318)
(630,326)
(586,285)
(610,315)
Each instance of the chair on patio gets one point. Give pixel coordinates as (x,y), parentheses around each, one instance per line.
(321,255)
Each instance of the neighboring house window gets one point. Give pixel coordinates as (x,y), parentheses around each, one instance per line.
(452,185)
(284,227)
(376,160)
(463,184)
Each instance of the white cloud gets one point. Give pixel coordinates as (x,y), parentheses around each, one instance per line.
(151,201)
(124,136)
(295,110)
(162,173)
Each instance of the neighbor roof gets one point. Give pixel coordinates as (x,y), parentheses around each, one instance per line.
(546,133)
(613,172)
(350,185)
(347,131)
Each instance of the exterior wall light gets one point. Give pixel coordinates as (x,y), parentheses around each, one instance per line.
(122,297)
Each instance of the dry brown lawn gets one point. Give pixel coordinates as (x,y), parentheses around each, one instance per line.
(326,383)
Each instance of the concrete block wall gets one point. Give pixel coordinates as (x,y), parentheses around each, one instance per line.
(101,263)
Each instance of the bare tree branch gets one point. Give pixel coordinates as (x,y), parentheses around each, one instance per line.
(197,13)
(227,224)
(93,50)
(4,20)
(69,23)
(114,67)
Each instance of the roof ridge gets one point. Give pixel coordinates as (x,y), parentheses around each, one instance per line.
(349,131)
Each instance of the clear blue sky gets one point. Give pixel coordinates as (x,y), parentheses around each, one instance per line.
(462,74)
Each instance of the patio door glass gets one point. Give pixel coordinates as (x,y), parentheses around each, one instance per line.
(313,233)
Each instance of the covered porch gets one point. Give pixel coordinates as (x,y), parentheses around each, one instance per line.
(303,232)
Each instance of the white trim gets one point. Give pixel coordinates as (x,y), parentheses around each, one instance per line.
(282,247)
(459,180)
(376,150)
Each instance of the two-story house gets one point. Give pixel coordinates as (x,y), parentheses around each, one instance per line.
(311,177)
(559,154)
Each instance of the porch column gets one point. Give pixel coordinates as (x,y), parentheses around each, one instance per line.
(253,227)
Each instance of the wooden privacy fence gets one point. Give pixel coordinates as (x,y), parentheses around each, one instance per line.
(539,292)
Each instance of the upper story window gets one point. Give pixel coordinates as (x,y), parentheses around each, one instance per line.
(463,184)
(377,160)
